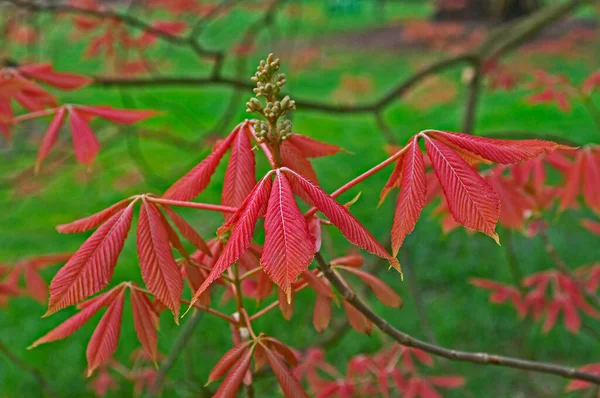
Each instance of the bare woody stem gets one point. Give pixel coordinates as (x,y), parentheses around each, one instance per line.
(37,375)
(463,356)
(180,343)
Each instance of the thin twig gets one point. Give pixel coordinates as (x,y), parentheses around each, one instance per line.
(37,375)
(477,358)
(473,94)
(180,343)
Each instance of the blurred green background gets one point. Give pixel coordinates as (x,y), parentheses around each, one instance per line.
(323,51)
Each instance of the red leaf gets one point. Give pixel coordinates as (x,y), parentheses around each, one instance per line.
(145,322)
(312,148)
(393,181)
(592,226)
(228,360)
(472,202)
(317,284)
(159,270)
(322,313)
(187,230)
(514,203)
(289,384)
(413,190)
(591,179)
(286,304)
(286,352)
(85,143)
(241,236)
(75,322)
(193,183)
(120,116)
(36,286)
(383,292)
(7,289)
(240,175)
(91,267)
(45,73)
(499,151)
(106,336)
(357,320)
(573,179)
(49,138)
(289,246)
(231,384)
(90,222)
(351,228)
(293,158)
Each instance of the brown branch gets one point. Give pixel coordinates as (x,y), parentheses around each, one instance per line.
(181,41)
(473,94)
(37,375)
(375,106)
(463,356)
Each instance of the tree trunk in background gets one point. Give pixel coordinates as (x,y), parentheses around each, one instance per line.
(482,10)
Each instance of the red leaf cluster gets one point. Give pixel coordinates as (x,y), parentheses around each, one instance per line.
(470,199)
(103,342)
(20,84)
(548,294)
(376,375)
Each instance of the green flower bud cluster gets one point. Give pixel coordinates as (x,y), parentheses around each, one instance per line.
(269,84)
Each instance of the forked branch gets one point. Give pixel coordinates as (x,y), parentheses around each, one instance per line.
(463,356)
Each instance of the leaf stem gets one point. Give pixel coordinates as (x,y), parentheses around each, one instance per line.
(193,205)
(362,177)
(34,115)
(216,313)
(45,386)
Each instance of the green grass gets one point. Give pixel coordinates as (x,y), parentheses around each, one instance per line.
(460,314)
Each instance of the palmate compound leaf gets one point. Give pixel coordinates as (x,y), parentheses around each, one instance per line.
(289,246)
(85,143)
(103,341)
(472,202)
(196,180)
(91,267)
(242,224)
(45,73)
(74,323)
(159,269)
